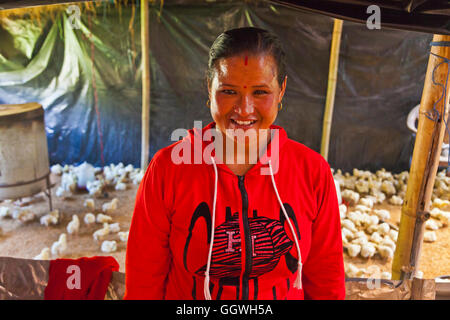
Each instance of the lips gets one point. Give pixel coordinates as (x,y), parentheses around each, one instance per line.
(243,124)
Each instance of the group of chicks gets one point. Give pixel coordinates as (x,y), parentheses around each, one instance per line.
(73,227)
(95,179)
(366,231)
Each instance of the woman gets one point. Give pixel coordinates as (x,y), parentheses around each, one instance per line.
(225,228)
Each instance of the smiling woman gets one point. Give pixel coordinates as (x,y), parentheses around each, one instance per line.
(226,229)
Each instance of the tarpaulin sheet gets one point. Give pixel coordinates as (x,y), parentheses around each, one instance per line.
(89,80)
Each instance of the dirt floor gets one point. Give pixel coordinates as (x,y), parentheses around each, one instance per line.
(26,240)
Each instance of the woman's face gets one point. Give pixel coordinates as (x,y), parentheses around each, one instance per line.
(245,93)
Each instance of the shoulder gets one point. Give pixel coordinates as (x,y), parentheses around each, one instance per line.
(299,152)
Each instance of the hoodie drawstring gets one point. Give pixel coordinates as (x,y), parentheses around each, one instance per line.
(298,281)
(206,284)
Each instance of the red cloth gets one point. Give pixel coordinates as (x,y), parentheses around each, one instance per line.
(254,253)
(85,278)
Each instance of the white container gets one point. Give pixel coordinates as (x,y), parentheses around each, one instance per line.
(24,164)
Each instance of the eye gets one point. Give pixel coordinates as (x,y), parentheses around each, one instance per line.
(228,91)
(261,92)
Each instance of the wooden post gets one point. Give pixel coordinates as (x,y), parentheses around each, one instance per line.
(331,89)
(145,138)
(424,165)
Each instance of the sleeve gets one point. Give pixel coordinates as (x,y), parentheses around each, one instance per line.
(148,255)
(323,271)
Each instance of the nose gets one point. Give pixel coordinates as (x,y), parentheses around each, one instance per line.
(245,106)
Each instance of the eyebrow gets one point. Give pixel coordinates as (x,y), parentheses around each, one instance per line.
(232,85)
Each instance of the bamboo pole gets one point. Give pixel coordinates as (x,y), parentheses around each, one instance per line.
(424,166)
(331,89)
(145,138)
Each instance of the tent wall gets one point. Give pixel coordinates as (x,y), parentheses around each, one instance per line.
(380,78)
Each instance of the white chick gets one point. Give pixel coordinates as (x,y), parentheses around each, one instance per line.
(431,225)
(361,240)
(362,208)
(346,234)
(342,210)
(429,236)
(109,246)
(110,206)
(62,193)
(69,182)
(56,169)
(74,225)
(114,227)
(382,214)
(50,218)
(23,214)
(95,188)
(380,196)
(368,250)
(388,187)
(353,250)
(44,255)
(386,252)
(89,218)
(383,228)
(120,186)
(368,202)
(351,270)
(393,234)
(123,236)
(138,177)
(376,237)
(443,216)
(101,233)
(5,212)
(60,246)
(372,220)
(346,223)
(372,228)
(396,201)
(355,217)
(89,204)
(439,203)
(350,196)
(387,242)
(362,186)
(102,218)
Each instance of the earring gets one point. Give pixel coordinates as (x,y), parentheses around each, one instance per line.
(281,106)
(207,104)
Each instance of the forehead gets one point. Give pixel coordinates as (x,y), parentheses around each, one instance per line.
(247,68)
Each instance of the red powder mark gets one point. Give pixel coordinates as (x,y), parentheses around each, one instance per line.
(245,87)
(246,58)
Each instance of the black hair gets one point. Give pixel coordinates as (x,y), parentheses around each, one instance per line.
(249,39)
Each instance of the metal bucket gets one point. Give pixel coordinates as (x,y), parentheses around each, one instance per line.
(24,164)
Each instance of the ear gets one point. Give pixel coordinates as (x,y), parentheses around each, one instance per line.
(283,89)
(209,89)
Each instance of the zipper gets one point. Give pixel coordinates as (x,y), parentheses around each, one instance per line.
(248,240)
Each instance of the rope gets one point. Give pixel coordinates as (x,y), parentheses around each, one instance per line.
(94,86)
(434,114)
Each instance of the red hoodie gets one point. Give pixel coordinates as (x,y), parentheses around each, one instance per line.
(254,253)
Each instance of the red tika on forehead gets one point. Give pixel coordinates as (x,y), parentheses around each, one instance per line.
(246,59)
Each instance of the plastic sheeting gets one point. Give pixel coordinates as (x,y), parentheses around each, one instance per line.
(89,80)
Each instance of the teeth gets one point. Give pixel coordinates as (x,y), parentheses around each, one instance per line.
(243,123)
